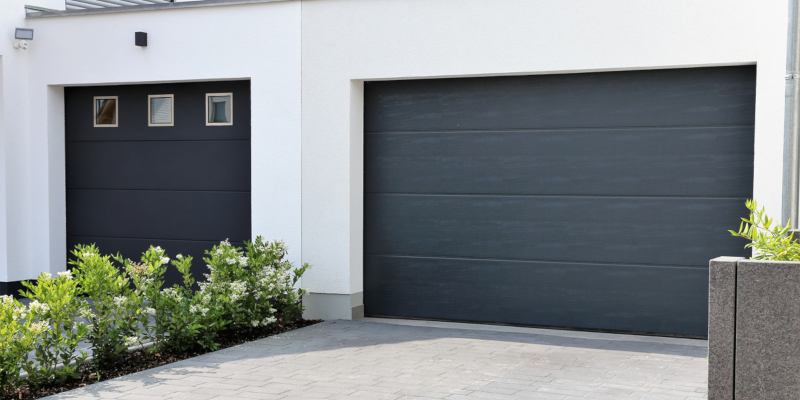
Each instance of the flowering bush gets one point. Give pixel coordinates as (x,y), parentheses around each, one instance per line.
(56,302)
(18,333)
(126,305)
(147,277)
(114,325)
(255,288)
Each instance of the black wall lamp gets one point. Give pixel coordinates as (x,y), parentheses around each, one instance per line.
(141,39)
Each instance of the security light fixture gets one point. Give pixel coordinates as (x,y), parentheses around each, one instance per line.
(21,37)
(23,34)
(141,39)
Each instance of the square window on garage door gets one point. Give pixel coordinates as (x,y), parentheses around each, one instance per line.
(219,109)
(160,109)
(105,111)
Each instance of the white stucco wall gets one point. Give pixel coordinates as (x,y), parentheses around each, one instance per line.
(348,41)
(260,42)
(14,68)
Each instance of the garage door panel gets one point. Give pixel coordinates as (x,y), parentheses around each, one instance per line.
(674,231)
(655,299)
(680,97)
(578,200)
(188,215)
(172,165)
(189,108)
(133,249)
(695,161)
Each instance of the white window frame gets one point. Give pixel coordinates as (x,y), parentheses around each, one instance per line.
(116,111)
(219,123)
(150,105)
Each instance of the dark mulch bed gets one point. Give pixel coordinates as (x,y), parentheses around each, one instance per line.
(143,360)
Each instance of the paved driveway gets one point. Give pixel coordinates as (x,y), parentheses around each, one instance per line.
(389,359)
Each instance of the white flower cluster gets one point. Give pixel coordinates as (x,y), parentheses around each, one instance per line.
(6,300)
(264,322)
(171,293)
(179,256)
(238,290)
(47,275)
(119,300)
(195,309)
(65,274)
(131,340)
(150,310)
(86,313)
(40,327)
(241,260)
(38,307)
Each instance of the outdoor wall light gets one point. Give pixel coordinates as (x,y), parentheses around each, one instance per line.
(141,39)
(21,37)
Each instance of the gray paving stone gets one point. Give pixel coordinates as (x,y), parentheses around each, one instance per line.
(394,360)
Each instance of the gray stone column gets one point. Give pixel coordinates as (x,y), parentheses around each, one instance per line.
(767,330)
(721,327)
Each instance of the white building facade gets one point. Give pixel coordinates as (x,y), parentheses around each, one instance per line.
(307,62)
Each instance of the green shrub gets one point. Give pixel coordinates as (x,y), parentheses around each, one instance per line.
(769,239)
(273,280)
(114,323)
(18,334)
(255,288)
(148,278)
(245,290)
(189,320)
(56,302)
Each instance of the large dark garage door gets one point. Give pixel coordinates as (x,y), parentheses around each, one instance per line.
(589,201)
(183,187)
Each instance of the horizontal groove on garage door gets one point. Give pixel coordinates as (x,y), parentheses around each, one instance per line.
(158,165)
(700,96)
(548,294)
(587,263)
(633,162)
(671,231)
(590,201)
(161,214)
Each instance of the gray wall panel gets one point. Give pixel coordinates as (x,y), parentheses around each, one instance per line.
(159,214)
(695,161)
(633,230)
(676,97)
(653,299)
(167,165)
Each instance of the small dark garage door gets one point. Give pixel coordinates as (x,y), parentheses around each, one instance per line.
(183,188)
(589,201)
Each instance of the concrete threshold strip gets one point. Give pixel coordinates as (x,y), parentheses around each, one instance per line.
(542,331)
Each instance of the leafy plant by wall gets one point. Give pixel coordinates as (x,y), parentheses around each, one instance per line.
(770,240)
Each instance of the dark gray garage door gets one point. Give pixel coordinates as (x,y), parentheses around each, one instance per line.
(184,187)
(589,201)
